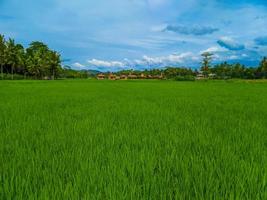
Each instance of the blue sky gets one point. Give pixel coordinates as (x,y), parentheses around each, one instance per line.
(110,35)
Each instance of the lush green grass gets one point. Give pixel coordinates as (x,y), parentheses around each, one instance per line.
(133,140)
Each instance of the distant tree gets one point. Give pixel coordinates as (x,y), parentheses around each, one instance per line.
(237,71)
(206,62)
(172,72)
(38,51)
(34,64)
(2,54)
(263,67)
(36,46)
(54,64)
(249,72)
(11,55)
(42,61)
(226,70)
(37,60)
(21,60)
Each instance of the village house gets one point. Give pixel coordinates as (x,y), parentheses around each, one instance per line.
(158,76)
(212,76)
(143,76)
(123,77)
(132,76)
(101,76)
(111,76)
(200,76)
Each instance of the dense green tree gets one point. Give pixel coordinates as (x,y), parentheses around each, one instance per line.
(36,46)
(225,70)
(54,64)
(43,62)
(172,72)
(2,54)
(21,60)
(238,70)
(263,67)
(37,59)
(11,56)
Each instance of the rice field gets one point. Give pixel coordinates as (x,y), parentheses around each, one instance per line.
(85,139)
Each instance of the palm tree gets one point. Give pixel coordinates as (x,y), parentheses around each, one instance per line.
(54,63)
(11,56)
(20,59)
(263,67)
(2,54)
(33,65)
(38,59)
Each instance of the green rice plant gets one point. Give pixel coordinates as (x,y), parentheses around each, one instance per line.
(87,139)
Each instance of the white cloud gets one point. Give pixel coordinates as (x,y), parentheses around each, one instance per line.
(146,61)
(214,49)
(102,63)
(78,65)
(172,59)
(233,57)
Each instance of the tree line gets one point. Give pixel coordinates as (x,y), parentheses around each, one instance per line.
(37,61)
(236,70)
(222,70)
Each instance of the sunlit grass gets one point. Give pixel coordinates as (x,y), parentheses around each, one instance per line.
(133,140)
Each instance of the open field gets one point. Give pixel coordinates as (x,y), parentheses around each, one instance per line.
(80,139)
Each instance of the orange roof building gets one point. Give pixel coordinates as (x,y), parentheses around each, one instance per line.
(124,77)
(132,76)
(101,76)
(112,77)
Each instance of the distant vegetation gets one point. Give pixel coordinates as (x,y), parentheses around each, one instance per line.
(38,61)
(219,71)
